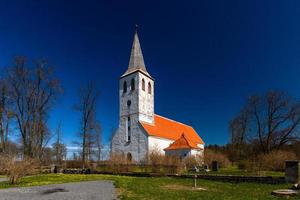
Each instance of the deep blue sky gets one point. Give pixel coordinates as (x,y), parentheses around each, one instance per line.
(206,56)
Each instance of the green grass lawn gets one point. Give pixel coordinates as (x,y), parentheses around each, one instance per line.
(163,188)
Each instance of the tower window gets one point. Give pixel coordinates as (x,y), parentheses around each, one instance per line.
(143,84)
(132,84)
(124,87)
(149,88)
(128,129)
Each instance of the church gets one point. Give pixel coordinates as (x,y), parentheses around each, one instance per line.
(141,130)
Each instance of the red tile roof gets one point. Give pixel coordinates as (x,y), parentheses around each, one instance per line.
(170,129)
(182,143)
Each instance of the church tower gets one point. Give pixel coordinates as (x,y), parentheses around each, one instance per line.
(140,130)
(136,101)
(137,88)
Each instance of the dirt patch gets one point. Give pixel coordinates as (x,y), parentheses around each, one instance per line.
(183,187)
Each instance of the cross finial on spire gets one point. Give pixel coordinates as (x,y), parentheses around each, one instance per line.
(136,28)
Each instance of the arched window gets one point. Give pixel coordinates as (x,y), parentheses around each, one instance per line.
(149,88)
(124,87)
(132,84)
(143,84)
(129,157)
(128,129)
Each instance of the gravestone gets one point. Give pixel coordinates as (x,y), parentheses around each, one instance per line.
(292,171)
(206,168)
(195,169)
(215,166)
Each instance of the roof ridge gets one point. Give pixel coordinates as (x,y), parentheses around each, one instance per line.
(174,120)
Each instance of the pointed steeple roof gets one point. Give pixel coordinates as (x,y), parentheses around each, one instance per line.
(136,61)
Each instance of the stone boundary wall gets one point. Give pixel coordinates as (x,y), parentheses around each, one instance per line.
(243,179)
(223,178)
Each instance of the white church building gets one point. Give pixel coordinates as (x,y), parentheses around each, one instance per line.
(141,130)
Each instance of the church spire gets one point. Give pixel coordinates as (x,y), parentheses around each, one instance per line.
(136,61)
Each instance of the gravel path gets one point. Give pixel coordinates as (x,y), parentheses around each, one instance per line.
(91,190)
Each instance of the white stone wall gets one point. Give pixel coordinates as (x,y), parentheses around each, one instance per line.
(146,100)
(182,153)
(156,143)
(142,102)
(197,152)
(185,152)
(140,109)
(130,95)
(138,146)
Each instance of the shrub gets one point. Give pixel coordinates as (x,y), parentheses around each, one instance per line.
(74,164)
(275,160)
(192,161)
(156,159)
(250,165)
(243,164)
(118,163)
(173,164)
(16,169)
(160,163)
(210,156)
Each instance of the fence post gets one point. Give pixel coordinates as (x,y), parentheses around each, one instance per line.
(195,181)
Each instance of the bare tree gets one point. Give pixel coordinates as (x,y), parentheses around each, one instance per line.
(5,114)
(59,149)
(88,96)
(33,92)
(272,119)
(238,128)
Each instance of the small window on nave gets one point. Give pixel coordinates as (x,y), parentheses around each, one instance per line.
(149,88)
(124,87)
(132,84)
(143,84)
